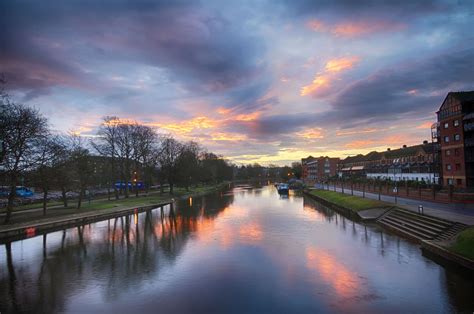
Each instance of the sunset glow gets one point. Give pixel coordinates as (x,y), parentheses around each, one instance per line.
(317,78)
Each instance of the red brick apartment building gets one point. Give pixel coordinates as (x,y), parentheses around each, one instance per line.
(455,134)
(317,169)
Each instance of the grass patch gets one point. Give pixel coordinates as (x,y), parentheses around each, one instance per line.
(464,244)
(355,203)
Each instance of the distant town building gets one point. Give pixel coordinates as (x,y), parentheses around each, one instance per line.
(318,168)
(415,163)
(455,135)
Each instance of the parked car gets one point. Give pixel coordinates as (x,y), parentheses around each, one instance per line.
(20,191)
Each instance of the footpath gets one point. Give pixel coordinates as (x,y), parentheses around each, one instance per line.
(462,213)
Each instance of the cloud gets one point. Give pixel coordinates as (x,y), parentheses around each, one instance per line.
(383,96)
(322,83)
(63,42)
(354,28)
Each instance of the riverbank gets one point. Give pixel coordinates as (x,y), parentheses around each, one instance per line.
(31,224)
(444,238)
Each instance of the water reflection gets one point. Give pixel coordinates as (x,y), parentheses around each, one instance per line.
(245,250)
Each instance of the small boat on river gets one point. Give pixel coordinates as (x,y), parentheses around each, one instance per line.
(283,188)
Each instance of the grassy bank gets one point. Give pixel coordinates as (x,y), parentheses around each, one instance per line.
(464,244)
(96,206)
(354,203)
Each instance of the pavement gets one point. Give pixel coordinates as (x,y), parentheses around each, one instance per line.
(463,213)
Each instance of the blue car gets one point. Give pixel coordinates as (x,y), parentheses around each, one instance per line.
(20,191)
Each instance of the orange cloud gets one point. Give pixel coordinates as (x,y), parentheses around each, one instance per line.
(223,111)
(188,126)
(343,133)
(316,25)
(359,144)
(320,84)
(314,133)
(352,29)
(425,125)
(248,117)
(222,136)
(337,65)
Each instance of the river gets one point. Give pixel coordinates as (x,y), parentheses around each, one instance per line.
(247,250)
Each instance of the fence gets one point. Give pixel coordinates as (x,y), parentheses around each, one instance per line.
(431,193)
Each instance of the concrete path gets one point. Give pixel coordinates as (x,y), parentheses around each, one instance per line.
(463,213)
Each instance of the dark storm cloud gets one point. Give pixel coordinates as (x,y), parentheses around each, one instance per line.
(201,50)
(399,10)
(406,88)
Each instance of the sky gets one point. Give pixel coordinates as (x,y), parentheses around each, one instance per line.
(267,81)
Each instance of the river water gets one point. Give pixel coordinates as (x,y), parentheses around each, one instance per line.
(246,250)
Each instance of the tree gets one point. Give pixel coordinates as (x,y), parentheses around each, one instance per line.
(168,159)
(21,128)
(107,145)
(50,153)
(188,165)
(82,165)
(143,144)
(297,169)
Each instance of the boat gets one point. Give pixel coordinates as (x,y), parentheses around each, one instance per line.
(283,188)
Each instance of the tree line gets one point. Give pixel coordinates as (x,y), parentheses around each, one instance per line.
(124,157)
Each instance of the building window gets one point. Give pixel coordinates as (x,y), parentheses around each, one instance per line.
(446,125)
(448,152)
(456,152)
(459,182)
(450,181)
(457,137)
(446,139)
(456,122)
(458,167)
(448,167)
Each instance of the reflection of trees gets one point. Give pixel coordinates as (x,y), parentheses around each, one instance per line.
(129,250)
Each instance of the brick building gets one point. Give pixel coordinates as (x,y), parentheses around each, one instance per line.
(415,163)
(455,133)
(318,168)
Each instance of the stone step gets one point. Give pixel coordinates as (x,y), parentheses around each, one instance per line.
(405,231)
(451,232)
(426,219)
(424,233)
(418,222)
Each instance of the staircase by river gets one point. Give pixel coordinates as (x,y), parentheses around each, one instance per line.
(419,227)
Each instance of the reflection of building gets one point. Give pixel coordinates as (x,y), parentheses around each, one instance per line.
(406,163)
(317,169)
(455,131)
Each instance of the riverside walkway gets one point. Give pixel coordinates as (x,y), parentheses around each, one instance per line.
(463,213)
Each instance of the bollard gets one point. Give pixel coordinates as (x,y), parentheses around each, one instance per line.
(420,209)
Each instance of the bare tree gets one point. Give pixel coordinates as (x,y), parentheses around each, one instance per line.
(188,164)
(144,141)
(107,145)
(169,159)
(21,128)
(81,161)
(50,154)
